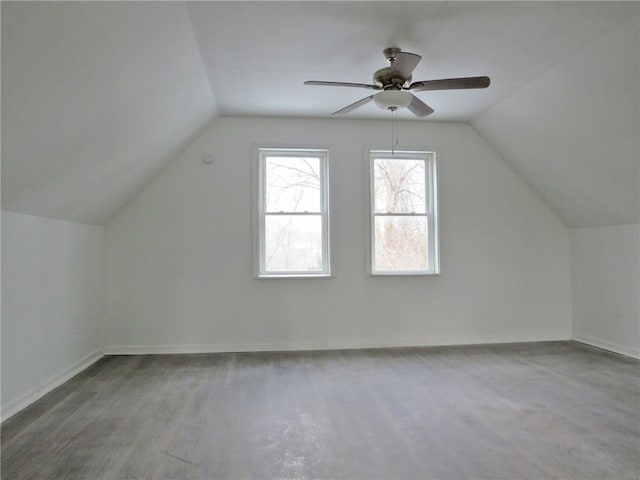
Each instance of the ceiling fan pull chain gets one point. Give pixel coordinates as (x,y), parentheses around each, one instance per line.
(392,135)
(395,120)
(394,130)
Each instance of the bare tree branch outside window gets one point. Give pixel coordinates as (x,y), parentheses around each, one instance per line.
(401,217)
(293,237)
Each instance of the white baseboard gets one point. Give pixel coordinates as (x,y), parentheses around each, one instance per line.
(46,386)
(605,345)
(323,345)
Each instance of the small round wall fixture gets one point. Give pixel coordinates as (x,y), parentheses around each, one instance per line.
(392,99)
(208,158)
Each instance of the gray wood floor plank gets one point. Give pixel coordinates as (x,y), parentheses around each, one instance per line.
(550,410)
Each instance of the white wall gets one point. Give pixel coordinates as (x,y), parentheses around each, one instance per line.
(180,259)
(52,300)
(606,289)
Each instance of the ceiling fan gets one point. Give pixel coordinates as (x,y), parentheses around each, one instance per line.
(394,81)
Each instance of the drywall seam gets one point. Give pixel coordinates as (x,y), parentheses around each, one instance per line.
(216,110)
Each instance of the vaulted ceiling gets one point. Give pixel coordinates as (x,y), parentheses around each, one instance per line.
(98,96)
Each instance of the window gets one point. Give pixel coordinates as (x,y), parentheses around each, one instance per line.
(293,213)
(404,236)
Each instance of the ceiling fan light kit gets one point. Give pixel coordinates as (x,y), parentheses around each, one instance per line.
(395,80)
(392,99)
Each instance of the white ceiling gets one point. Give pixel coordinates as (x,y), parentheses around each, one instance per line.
(258,54)
(98,96)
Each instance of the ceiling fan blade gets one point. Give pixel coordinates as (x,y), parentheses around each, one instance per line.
(342,84)
(451,84)
(353,106)
(419,108)
(404,64)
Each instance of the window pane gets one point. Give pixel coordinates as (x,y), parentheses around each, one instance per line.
(292,184)
(400,243)
(399,186)
(293,243)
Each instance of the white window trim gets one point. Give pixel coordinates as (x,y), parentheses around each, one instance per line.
(323,154)
(431,210)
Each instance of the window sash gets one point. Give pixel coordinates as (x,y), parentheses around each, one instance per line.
(322,154)
(378,156)
(430,213)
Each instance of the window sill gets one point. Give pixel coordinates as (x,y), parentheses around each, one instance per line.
(408,274)
(296,275)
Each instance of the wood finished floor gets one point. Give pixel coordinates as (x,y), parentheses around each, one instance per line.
(553,410)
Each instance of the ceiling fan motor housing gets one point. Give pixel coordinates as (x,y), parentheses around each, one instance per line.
(389,80)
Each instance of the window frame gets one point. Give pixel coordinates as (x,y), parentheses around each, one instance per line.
(431,210)
(293,152)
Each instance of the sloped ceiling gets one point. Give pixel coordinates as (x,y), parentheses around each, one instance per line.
(573,133)
(98,96)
